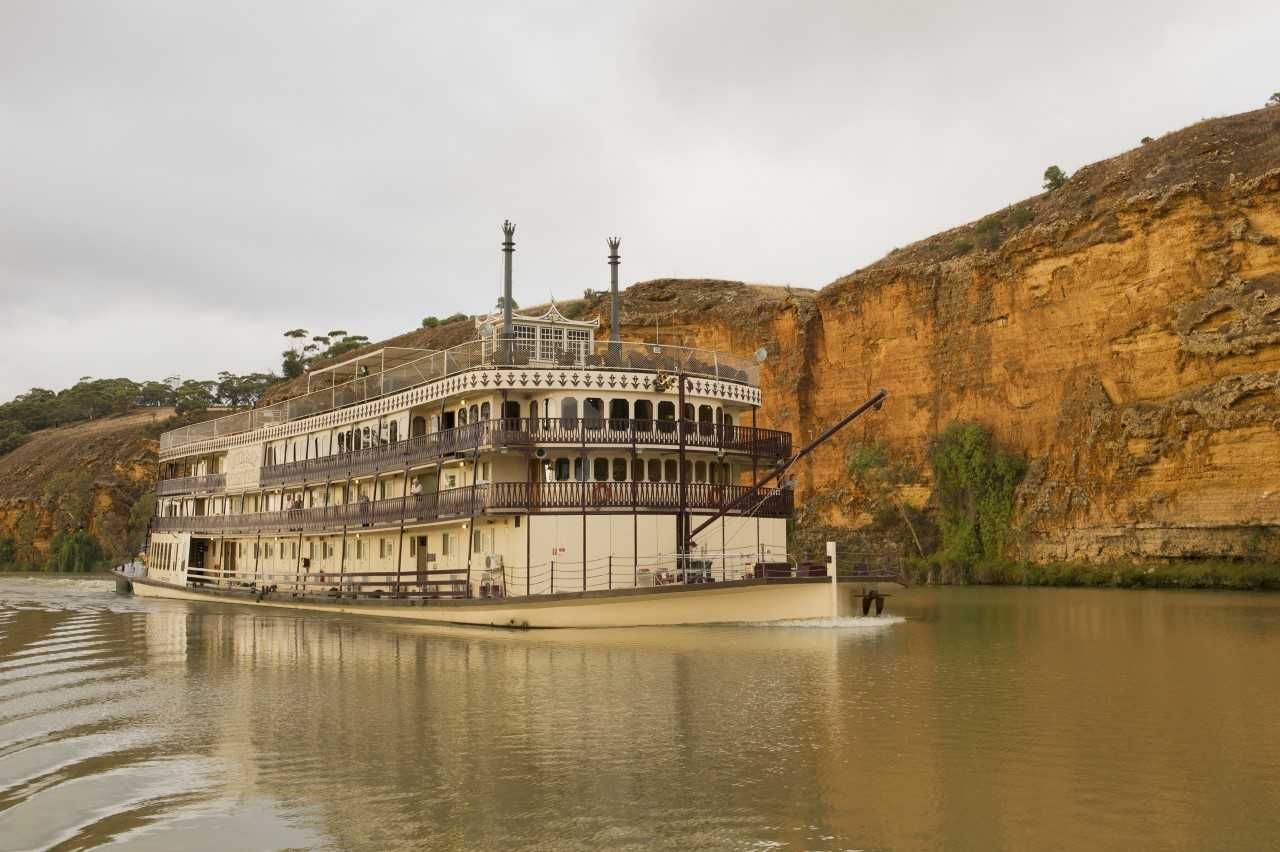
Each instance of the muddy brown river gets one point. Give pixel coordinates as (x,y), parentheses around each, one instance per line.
(972,719)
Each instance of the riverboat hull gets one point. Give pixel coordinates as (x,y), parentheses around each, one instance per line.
(742,601)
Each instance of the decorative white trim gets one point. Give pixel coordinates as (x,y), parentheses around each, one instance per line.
(517,378)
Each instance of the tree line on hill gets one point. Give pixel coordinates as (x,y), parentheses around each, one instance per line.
(90,399)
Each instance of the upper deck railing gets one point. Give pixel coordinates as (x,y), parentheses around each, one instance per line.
(473,355)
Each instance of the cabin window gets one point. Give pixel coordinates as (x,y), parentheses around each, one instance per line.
(644,413)
(579,470)
(728,419)
(670,471)
(593,412)
(462,416)
(562,470)
(475,413)
(447,420)
(578,341)
(484,411)
(700,472)
(353,440)
(655,470)
(687,471)
(484,471)
(705,419)
(393,431)
(445,540)
(619,470)
(619,413)
(637,470)
(569,413)
(548,343)
(368,437)
(688,412)
(418,426)
(600,470)
(359,548)
(413,545)
(522,337)
(533,415)
(666,416)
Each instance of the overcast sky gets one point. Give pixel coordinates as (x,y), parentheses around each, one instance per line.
(180,182)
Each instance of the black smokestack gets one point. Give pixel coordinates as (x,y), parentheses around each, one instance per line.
(508,246)
(614,259)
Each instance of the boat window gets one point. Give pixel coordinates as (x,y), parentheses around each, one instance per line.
(394,431)
(666,416)
(462,416)
(705,420)
(579,470)
(368,437)
(655,470)
(670,471)
(728,419)
(687,471)
(637,470)
(593,412)
(562,470)
(688,412)
(533,414)
(714,472)
(619,470)
(569,413)
(475,414)
(484,411)
(700,472)
(644,414)
(447,420)
(619,413)
(600,470)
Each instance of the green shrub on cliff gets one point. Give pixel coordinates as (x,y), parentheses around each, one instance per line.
(8,554)
(74,552)
(974,484)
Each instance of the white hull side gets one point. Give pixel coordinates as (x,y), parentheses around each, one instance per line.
(707,605)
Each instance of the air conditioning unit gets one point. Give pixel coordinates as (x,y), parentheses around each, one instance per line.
(493,561)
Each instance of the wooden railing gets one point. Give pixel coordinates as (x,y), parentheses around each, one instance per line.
(189,484)
(549,497)
(529,432)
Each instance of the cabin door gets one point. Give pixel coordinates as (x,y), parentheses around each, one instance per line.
(228,558)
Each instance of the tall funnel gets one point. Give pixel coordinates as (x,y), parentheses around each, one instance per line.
(615,334)
(508,246)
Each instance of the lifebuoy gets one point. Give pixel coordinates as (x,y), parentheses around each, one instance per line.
(601,491)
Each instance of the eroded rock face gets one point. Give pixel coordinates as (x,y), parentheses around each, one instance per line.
(1127,343)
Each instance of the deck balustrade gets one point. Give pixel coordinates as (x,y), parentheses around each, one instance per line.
(191,484)
(549,497)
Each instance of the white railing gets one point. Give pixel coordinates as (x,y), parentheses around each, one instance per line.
(476,354)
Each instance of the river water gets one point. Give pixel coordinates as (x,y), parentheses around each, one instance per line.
(972,719)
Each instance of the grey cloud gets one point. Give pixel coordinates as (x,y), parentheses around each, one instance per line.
(180,182)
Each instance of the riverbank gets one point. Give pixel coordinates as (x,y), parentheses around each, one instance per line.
(1175,574)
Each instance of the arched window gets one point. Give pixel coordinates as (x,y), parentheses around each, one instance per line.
(368,437)
(579,470)
(593,412)
(619,470)
(462,416)
(562,470)
(475,413)
(619,414)
(714,470)
(666,416)
(600,470)
(670,472)
(728,419)
(484,411)
(637,470)
(342,442)
(569,413)
(700,471)
(644,415)
(533,413)
(393,433)
(356,444)
(688,412)
(705,417)
(419,427)
(655,470)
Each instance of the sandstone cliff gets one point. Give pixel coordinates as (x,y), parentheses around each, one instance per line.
(1122,333)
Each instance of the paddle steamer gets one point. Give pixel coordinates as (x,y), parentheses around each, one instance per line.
(535,476)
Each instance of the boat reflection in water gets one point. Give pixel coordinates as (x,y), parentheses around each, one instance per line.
(985,718)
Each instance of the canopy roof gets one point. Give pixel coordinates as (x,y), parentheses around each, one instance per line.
(552,316)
